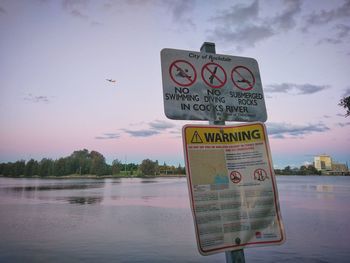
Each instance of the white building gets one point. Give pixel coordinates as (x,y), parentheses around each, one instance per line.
(325,164)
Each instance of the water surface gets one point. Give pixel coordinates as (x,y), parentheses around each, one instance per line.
(149,220)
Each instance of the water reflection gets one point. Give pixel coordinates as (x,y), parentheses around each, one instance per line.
(84,200)
(51,187)
(105,220)
(324,188)
(148,181)
(149,201)
(82,192)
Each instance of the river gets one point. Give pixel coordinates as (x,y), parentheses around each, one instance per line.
(150,220)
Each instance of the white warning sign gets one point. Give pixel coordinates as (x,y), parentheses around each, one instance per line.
(232,187)
(214,87)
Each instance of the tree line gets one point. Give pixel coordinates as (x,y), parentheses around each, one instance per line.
(303,170)
(83,162)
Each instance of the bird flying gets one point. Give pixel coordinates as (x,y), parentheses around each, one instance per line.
(111,80)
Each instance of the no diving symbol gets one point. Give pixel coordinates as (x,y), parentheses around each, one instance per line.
(243,78)
(182,73)
(260,175)
(214,75)
(235,177)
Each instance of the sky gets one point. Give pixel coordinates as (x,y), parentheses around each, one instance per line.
(55,57)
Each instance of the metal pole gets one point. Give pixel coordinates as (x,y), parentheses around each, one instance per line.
(209,47)
(125,167)
(235,256)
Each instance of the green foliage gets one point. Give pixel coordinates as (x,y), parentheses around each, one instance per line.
(180,170)
(83,162)
(13,169)
(60,167)
(31,168)
(303,170)
(308,170)
(79,162)
(148,167)
(7,169)
(46,167)
(98,163)
(19,168)
(345,103)
(117,166)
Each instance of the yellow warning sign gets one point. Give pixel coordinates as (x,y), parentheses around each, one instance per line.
(196,138)
(225,135)
(232,187)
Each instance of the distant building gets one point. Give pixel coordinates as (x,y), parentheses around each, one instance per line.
(325,164)
(339,169)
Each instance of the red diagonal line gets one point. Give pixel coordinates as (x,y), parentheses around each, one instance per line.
(245,80)
(212,74)
(187,76)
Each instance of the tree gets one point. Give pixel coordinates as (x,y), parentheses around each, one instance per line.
(2,168)
(117,166)
(45,167)
(345,103)
(32,168)
(130,167)
(148,167)
(312,170)
(60,167)
(180,170)
(80,162)
(19,168)
(98,163)
(7,169)
(287,170)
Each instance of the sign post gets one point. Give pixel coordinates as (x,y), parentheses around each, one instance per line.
(233,256)
(230,175)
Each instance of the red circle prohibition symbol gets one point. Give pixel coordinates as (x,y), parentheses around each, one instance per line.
(260,174)
(243,78)
(213,75)
(235,177)
(179,69)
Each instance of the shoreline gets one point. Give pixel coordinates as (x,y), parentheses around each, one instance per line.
(73,176)
(91,176)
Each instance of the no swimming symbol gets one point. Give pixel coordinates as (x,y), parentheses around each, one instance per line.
(235,177)
(182,73)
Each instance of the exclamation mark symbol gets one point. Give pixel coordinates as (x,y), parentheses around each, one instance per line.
(196,138)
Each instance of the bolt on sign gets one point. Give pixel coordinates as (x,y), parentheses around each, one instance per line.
(214,87)
(232,187)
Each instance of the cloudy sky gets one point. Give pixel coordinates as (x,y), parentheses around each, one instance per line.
(55,57)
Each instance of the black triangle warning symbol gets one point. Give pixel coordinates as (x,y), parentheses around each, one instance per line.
(196,138)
